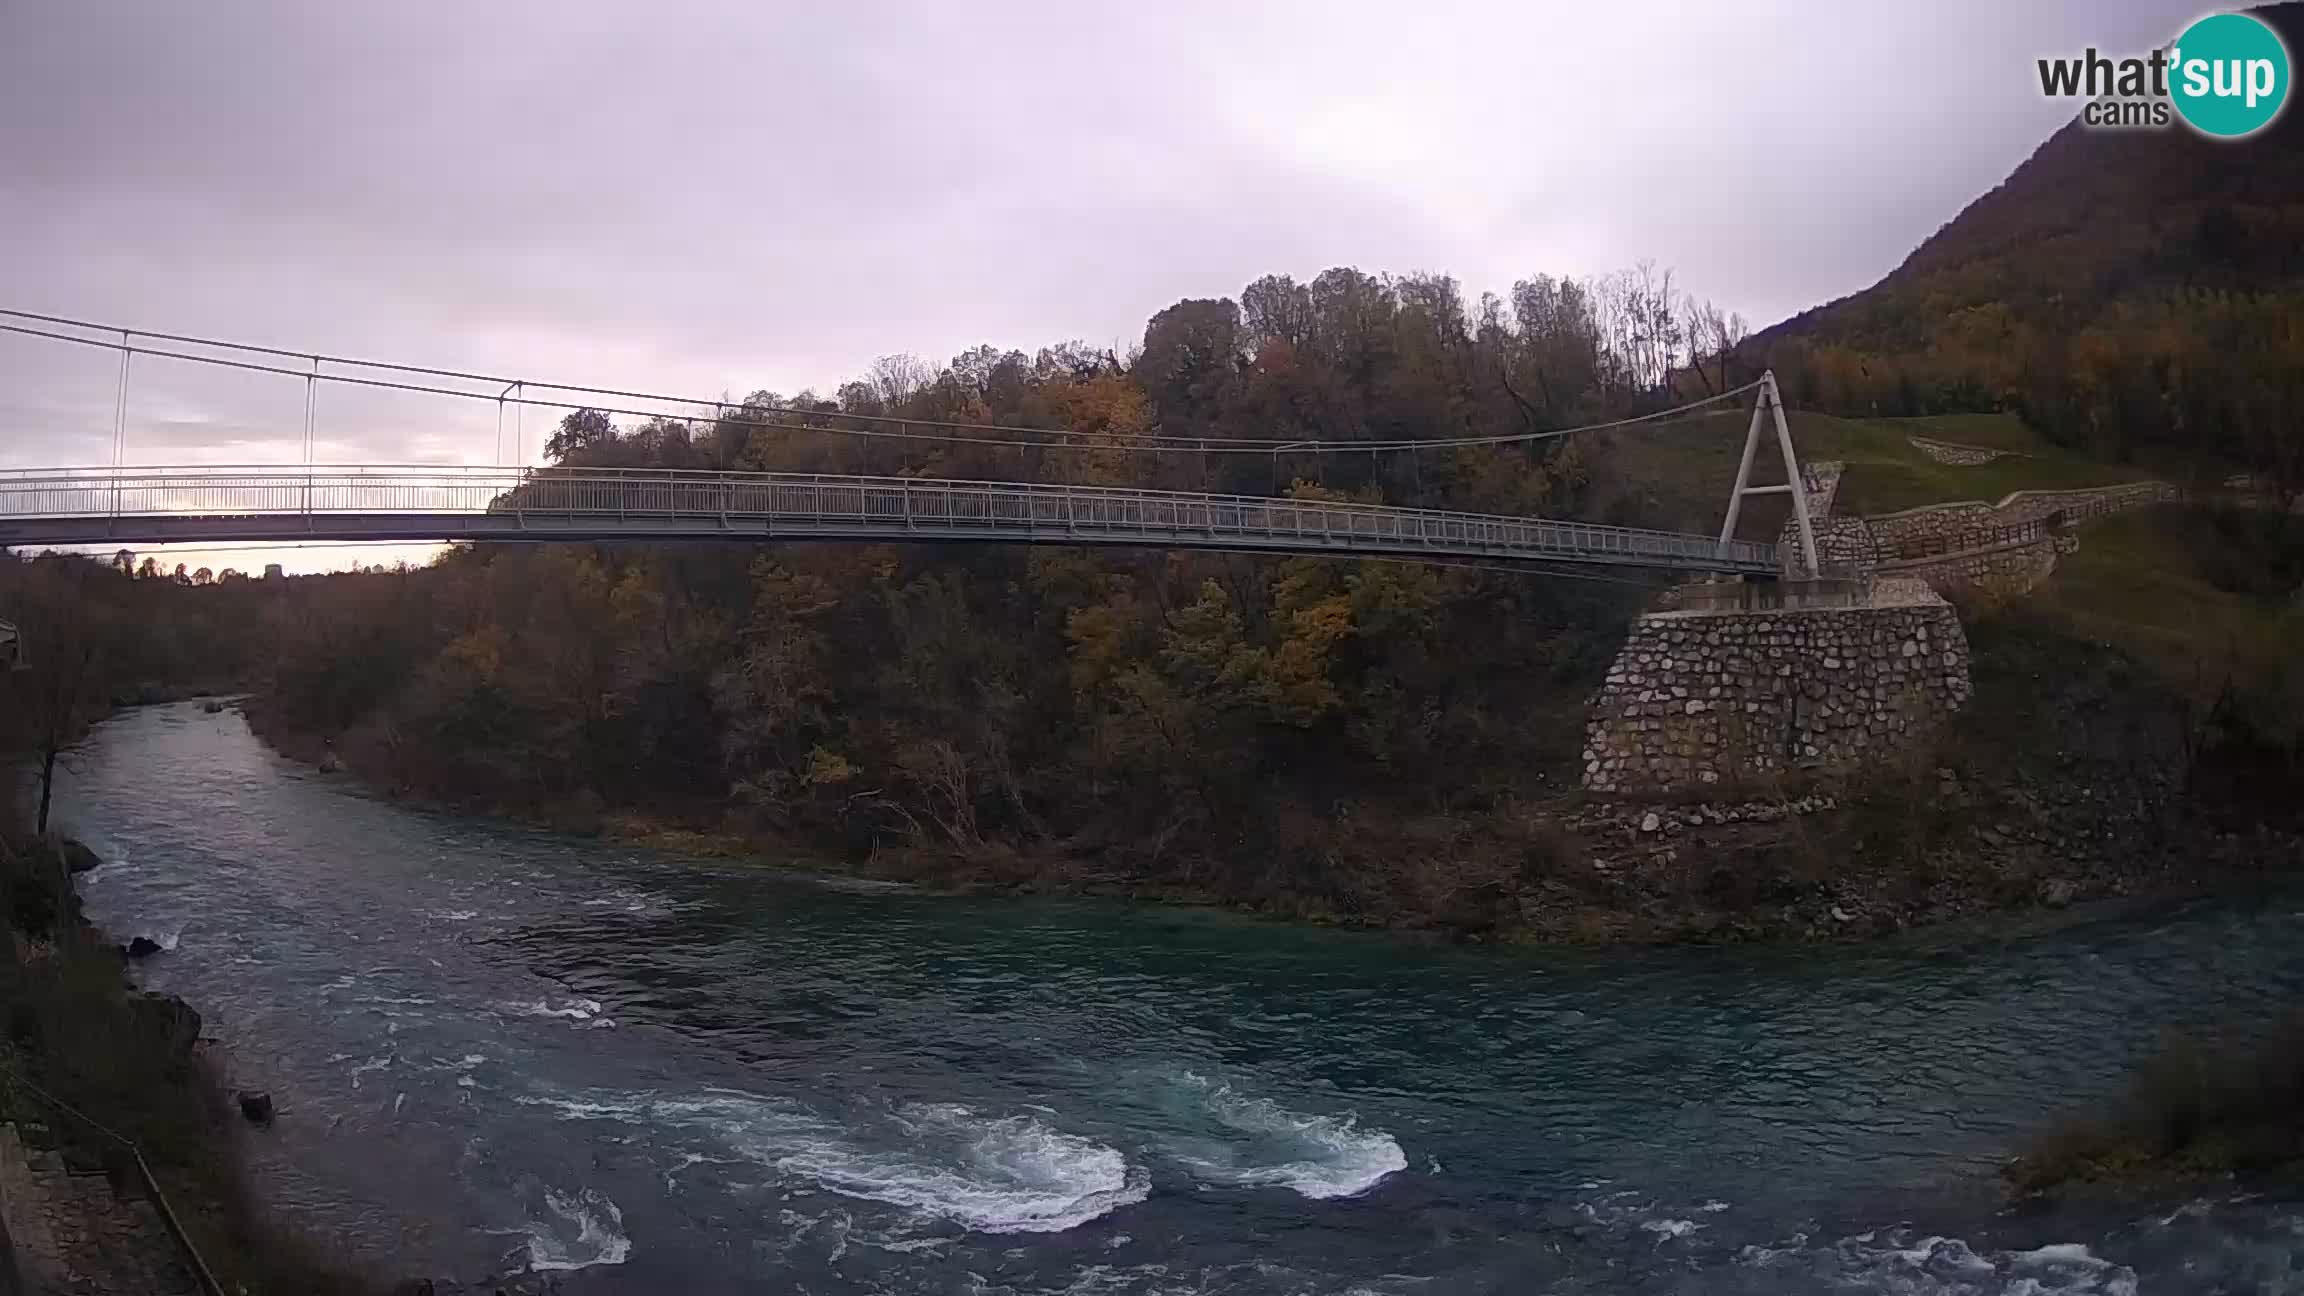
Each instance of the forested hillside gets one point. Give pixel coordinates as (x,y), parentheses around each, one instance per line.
(2132,293)
(1221,722)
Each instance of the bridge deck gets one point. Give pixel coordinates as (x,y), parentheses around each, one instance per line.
(226,505)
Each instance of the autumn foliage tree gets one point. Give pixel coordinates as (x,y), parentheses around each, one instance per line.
(986,701)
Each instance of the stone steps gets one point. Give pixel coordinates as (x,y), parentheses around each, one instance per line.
(70,1233)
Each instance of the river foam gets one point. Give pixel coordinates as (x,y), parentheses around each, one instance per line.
(1256,1142)
(988,1173)
(574,1008)
(1894,1260)
(594,1221)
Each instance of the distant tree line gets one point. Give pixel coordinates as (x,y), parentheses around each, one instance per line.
(97,634)
(1213,721)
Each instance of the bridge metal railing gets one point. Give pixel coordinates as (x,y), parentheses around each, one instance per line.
(84,505)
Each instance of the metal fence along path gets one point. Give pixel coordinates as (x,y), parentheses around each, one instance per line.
(94,506)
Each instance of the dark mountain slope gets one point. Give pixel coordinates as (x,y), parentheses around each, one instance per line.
(2093,216)
(2126,290)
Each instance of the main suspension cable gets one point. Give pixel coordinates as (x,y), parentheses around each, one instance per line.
(750,415)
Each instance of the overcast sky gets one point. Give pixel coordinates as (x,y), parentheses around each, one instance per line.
(727,197)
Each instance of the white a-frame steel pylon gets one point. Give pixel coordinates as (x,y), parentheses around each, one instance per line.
(1771,404)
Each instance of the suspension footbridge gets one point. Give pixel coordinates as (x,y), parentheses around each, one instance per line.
(231,505)
(207,504)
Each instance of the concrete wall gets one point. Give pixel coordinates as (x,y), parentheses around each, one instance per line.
(1698,698)
(1735,594)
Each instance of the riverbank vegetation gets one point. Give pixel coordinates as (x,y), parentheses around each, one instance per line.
(2205,1104)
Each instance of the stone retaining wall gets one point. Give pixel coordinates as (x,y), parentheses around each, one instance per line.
(1843,545)
(1950,452)
(1696,699)
(1822,480)
(1999,570)
(1949,522)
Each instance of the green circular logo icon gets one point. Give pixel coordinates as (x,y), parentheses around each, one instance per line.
(2228,75)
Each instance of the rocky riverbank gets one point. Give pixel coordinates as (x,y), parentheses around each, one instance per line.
(141,1092)
(99,1080)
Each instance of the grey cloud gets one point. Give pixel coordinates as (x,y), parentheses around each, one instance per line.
(721,197)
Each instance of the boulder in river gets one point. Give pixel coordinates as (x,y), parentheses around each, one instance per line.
(141,947)
(256,1105)
(77,857)
(212,707)
(168,1019)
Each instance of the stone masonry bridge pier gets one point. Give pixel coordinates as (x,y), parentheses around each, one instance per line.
(1734,683)
(1761,683)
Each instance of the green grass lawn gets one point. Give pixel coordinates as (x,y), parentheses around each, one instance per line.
(1992,431)
(1886,472)
(2137,583)
(1678,474)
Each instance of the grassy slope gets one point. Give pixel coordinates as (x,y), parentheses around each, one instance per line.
(1886,473)
(1679,473)
(2203,1106)
(2136,584)
(1993,431)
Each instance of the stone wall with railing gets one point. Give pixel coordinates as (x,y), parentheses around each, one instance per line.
(1713,689)
(1997,571)
(1945,528)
